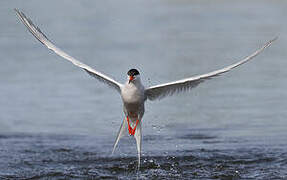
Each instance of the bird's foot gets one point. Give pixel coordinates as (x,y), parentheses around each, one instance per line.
(132,130)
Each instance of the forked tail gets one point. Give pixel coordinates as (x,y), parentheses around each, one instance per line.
(121,133)
(138,137)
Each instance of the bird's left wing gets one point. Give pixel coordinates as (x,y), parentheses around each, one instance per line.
(44,40)
(163,90)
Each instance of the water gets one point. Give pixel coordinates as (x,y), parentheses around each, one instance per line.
(56,122)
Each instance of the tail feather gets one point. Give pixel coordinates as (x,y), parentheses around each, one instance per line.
(121,133)
(138,137)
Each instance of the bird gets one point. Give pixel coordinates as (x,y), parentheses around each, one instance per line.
(133,93)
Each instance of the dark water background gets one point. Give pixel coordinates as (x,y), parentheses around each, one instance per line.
(56,122)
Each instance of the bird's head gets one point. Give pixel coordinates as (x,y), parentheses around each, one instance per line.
(133,75)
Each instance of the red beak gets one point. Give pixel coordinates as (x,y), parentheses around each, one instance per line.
(131,78)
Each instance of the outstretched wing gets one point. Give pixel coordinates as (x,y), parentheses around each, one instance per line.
(44,40)
(167,89)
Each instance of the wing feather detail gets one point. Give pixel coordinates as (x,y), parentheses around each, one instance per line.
(38,34)
(168,89)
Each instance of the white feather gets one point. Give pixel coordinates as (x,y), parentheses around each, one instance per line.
(167,89)
(44,40)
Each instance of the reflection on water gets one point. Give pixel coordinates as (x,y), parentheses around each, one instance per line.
(58,122)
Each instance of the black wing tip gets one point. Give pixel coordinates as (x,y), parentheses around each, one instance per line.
(19,13)
(275,38)
(28,22)
(17,10)
(269,43)
(272,40)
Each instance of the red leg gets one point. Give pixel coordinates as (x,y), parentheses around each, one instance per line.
(129,126)
(134,129)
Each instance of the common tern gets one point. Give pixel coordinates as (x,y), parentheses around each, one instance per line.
(133,93)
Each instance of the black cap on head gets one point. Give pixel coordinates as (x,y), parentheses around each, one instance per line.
(133,72)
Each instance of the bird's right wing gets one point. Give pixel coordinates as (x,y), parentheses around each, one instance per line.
(167,89)
(44,40)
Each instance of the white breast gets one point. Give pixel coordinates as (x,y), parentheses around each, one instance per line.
(131,93)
